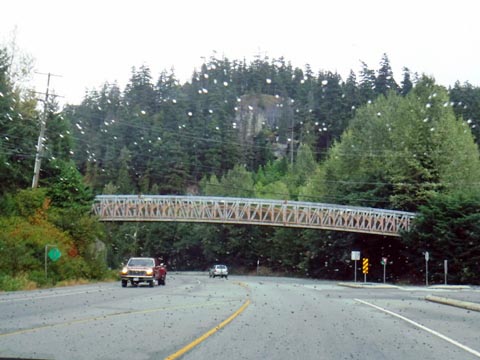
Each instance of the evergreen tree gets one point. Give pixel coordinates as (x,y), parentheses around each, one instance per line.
(407,84)
(384,81)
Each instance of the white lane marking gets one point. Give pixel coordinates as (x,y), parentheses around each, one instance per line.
(29,298)
(433,332)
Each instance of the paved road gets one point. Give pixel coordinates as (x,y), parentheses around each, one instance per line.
(283,319)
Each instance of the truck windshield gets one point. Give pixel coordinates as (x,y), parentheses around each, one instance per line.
(140,262)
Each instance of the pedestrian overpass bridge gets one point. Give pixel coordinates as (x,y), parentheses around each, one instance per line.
(228,210)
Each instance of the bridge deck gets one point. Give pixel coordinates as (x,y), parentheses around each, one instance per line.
(251,211)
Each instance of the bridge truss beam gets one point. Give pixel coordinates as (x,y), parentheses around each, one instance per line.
(251,211)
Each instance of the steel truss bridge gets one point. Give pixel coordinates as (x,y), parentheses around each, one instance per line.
(227,210)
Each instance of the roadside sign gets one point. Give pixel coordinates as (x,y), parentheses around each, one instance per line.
(427,258)
(384,263)
(54,254)
(355,257)
(365,266)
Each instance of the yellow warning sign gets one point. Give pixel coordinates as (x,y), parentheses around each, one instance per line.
(365,266)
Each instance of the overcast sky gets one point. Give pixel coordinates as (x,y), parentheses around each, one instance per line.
(90,42)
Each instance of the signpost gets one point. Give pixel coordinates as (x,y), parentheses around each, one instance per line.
(365,269)
(445,266)
(384,263)
(54,254)
(355,257)
(427,258)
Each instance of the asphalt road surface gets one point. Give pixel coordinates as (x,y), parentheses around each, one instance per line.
(239,318)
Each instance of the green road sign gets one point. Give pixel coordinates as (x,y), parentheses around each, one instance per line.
(54,254)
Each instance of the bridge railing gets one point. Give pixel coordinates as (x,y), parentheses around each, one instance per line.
(251,211)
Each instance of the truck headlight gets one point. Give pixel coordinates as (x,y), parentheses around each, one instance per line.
(150,272)
(124,271)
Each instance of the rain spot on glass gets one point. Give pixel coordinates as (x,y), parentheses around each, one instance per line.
(302,81)
(432,129)
(217,128)
(174,101)
(469,121)
(268,81)
(250,107)
(225,83)
(324,82)
(445,104)
(379,113)
(190,113)
(78,126)
(205,76)
(425,120)
(428,105)
(210,111)
(205,91)
(1,94)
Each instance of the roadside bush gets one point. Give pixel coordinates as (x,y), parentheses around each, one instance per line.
(10,283)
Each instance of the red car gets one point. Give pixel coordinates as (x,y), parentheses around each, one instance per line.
(141,269)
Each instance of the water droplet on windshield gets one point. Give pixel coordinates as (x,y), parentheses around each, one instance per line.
(269,81)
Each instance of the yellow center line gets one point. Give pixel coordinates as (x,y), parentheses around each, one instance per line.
(106,316)
(210,332)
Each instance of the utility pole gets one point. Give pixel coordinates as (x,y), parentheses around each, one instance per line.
(43,127)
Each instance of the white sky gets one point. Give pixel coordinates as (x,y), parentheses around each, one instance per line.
(93,42)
